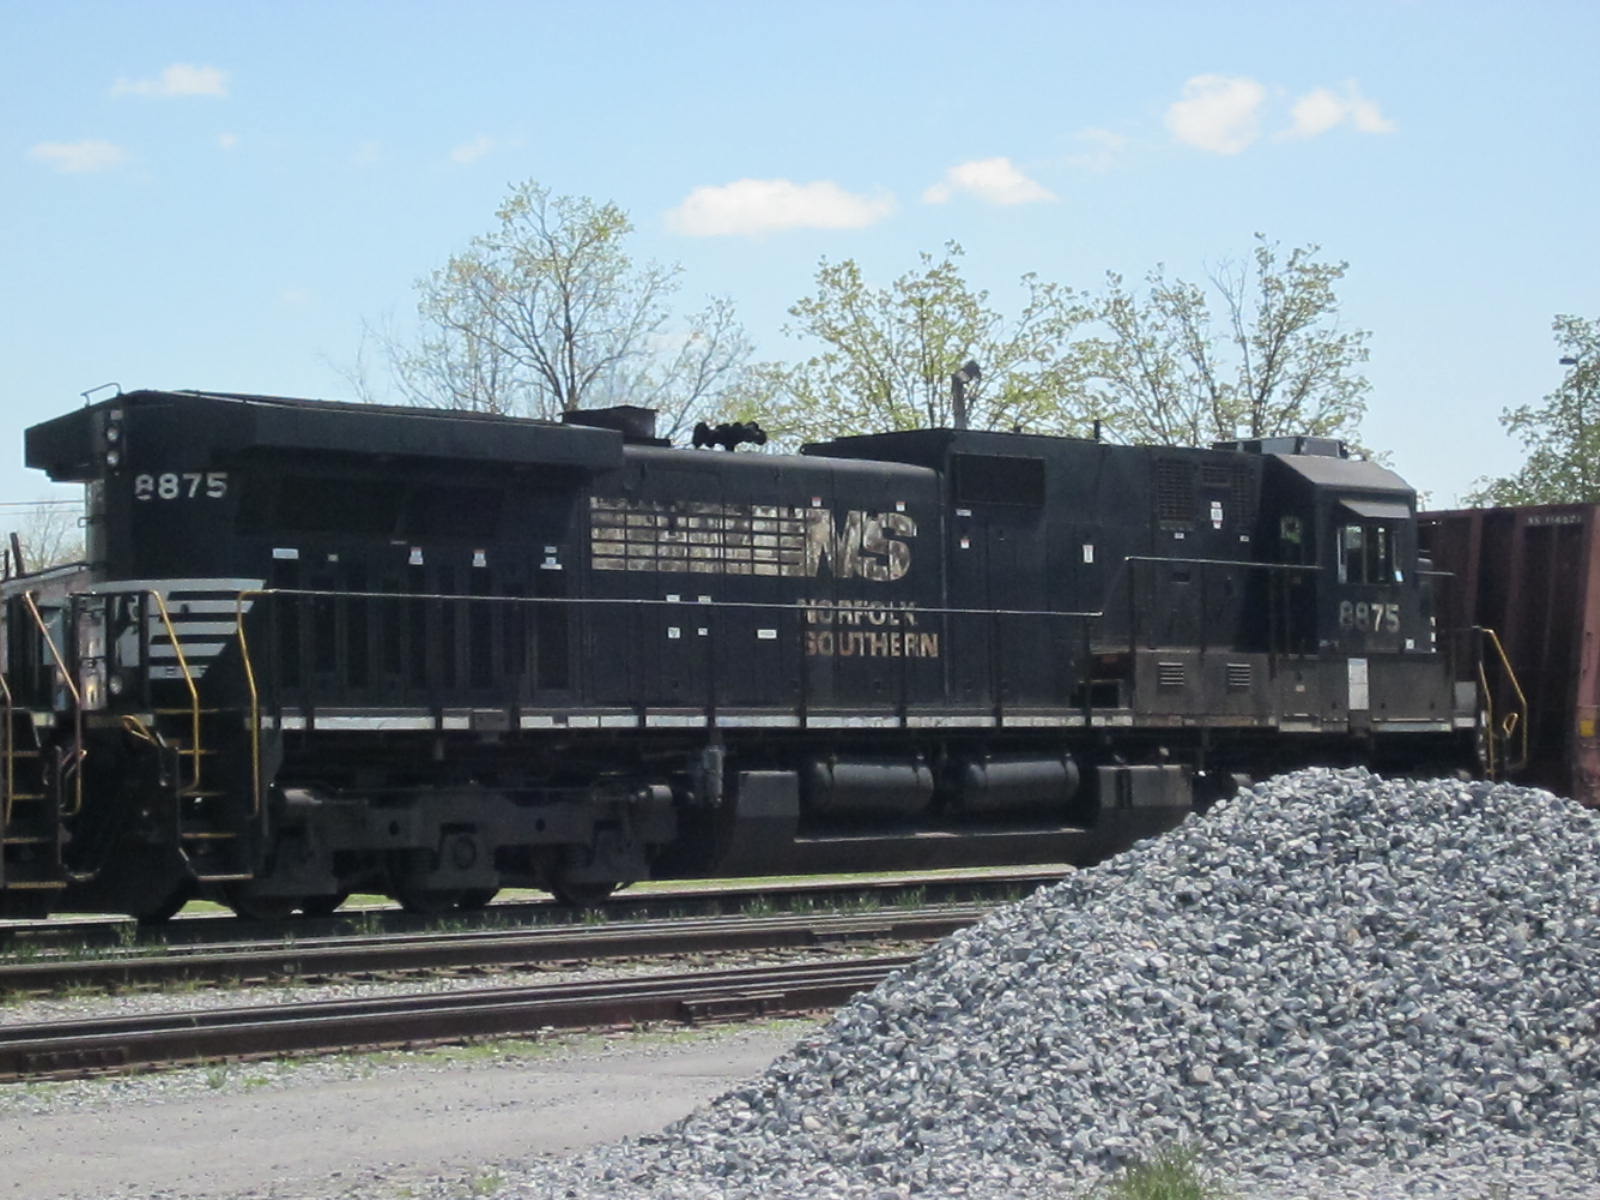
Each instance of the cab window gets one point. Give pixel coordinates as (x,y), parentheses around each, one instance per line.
(1367,553)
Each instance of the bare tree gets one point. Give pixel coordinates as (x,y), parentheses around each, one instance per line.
(547,313)
(1276,361)
(50,533)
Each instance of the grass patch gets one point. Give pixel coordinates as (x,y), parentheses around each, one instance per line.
(1172,1174)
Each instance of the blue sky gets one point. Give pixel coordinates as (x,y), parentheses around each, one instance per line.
(218,195)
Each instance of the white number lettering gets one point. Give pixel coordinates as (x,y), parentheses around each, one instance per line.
(1369,618)
(189,485)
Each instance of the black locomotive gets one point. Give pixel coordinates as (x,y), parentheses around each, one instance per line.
(323,647)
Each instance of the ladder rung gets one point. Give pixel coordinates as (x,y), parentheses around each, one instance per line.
(27,841)
(209,836)
(223,878)
(47,886)
(28,796)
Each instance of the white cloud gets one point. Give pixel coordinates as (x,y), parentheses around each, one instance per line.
(180,79)
(79,157)
(227,141)
(995,180)
(749,206)
(470,152)
(1323,109)
(1219,113)
(1102,151)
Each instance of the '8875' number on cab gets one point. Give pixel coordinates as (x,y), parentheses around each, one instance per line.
(1364,617)
(181,485)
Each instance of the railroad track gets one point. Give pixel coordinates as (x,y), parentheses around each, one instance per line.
(369,956)
(75,933)
(68,1049)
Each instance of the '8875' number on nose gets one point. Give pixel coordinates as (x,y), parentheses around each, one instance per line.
(181,485)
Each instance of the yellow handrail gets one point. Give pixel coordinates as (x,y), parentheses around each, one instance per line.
(1515,722)
(77,701)
(255,703)
(194,692)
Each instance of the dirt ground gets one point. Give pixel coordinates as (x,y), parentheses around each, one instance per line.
(386,1127)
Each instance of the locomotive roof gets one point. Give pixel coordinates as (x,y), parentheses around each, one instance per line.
(69,446)
(1353,474)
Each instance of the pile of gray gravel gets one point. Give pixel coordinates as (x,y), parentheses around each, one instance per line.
(1331,985)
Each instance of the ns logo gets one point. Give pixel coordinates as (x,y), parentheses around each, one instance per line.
(864,545)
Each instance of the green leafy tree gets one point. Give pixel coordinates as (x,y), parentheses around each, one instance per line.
(1562,435)
(547,313)
(1259,352)
(887,356)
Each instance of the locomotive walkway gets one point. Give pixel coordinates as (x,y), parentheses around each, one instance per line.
(120,1044)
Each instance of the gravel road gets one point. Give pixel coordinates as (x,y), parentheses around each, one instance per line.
(383,1127)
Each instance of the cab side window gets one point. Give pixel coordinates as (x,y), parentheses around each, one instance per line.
(1366,553)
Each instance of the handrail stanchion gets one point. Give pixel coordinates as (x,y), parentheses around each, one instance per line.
(195,749)
(255,701)
(77,700)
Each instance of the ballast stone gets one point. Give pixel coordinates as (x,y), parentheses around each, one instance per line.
(1332,985)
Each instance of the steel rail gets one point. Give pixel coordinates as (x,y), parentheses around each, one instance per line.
(367,956)
(121,1044)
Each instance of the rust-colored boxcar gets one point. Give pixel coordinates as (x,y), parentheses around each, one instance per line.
(1532,576)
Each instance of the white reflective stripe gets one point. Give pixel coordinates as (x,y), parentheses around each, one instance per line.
(577,722)
(750,721)
(334,723)
(1043,722)
(197,670)
(191,650)
(838,722)
(675,720)
(536,722)
(627,722)
(455,722)
(293,723)
(187,629)
(206,608)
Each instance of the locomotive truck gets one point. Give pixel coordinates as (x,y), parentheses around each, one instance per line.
(319,647)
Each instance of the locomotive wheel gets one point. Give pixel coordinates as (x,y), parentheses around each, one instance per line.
(158,914)
(473,899)
(581,895)
(429,902)
(323,906)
